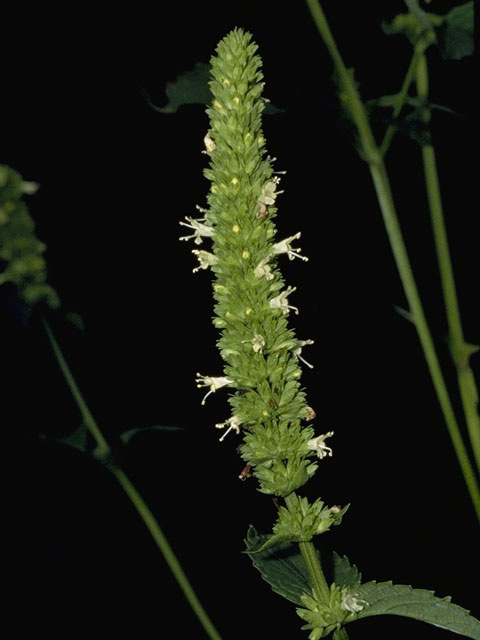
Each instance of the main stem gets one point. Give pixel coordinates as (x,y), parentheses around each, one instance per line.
(143,510)
(385,199)
(312,562)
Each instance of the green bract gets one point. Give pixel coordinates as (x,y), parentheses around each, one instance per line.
(261,353)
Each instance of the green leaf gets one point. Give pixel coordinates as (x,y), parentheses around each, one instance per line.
(387,599)
(344,573)
(282,566)
(191,87)
(456,39)
(127,435)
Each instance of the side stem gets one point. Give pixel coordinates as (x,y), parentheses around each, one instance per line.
(386,202)
(136,499)
(459,349)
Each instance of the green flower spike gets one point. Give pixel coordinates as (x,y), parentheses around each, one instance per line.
(260,352)
(21,259)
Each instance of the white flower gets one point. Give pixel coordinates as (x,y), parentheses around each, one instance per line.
(213,383)
(209,144)
(205,258)
(352,604)
(297,350)
(257,342)
(269,192)
(284,246)
(318,445)
(232,423)
(264,269)
(201,229)
(281,301)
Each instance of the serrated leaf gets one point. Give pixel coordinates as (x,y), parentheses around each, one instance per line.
(191,87)
(457,36)
(127,435)
(384,598)
(344,573)
(281,566)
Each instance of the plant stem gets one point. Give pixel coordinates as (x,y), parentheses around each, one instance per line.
(315,571)
(385,199)
(407,81)
(102,448)
(164,546)
(312,562)
(143,510)
(460,350)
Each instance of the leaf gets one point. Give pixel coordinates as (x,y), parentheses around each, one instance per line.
(387,599)
(456,38)
(127,435)
(344,573)
(77,439)
(191,87)
(282,566)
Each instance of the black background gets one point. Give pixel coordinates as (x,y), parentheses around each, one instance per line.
(115,179)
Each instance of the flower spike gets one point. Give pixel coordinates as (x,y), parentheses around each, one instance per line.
(261,355)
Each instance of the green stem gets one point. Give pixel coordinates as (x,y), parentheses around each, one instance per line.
(102,446)
(407,81)
(460,350)
(385,199)
(312,562)
(136,499)
(162,543)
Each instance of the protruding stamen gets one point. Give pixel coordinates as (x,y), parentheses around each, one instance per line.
(318,445)
(213,382)
(233,423)
(205,258)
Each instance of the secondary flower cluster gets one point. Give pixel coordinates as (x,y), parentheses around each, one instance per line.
(21,259)
(260,351)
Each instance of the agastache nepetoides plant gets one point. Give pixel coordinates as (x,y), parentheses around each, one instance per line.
(262,355)
(263,360)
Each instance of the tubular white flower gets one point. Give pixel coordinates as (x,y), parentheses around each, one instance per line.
(284,246)
(201,230)
(205,258)
(318,445)
(281,301)
(257,342)
(297,350)
(213,383)
(269,192)
(232,423)
(209,144)
(264,269)
(352,604)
